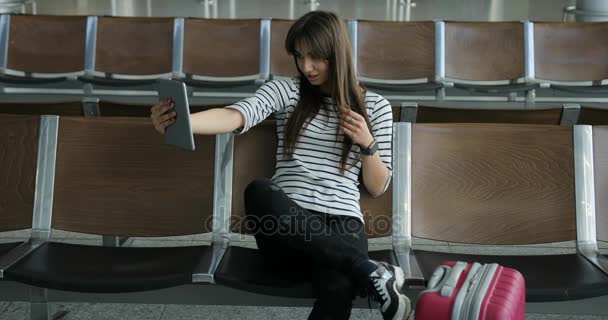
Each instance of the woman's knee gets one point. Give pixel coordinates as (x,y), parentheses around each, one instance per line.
(257,188)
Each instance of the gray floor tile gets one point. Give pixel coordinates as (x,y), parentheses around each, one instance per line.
(537,316)
(602,244)
(102,311)
(175,312)
(510,250)
(14,311)
(110,311)
(189,312)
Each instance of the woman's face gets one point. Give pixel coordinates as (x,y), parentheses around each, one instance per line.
(315,69)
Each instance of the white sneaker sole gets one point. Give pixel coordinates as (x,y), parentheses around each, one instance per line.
(403,312)
(399,278)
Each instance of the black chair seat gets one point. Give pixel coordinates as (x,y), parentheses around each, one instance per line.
(548,277)
(216,84)
(580,89)
(6,247)
(404,87)
(112,82)
(30,80)
(82,268)
(244,269)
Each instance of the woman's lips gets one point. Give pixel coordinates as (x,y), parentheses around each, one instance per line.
(312,78)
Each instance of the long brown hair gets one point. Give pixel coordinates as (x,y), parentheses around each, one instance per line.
(326,36)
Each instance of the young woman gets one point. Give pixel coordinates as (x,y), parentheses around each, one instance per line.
(331,132)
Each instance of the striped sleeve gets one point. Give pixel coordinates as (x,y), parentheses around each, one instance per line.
(272,97)
(382,130)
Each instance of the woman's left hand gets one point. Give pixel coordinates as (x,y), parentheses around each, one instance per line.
(354,126)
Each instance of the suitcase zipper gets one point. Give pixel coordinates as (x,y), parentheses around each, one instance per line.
(477,290)
(461,302)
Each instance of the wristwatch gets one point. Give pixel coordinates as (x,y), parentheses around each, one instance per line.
(369,151)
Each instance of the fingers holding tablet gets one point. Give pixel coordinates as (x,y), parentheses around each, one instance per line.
(163,115)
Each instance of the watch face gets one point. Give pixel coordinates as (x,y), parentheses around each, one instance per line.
(371,150)
(374,147)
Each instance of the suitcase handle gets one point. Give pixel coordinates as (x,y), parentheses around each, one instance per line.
(436,277)
(452,280)
(445,278)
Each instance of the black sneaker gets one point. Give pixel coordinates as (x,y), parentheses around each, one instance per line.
(396,271)
(385,289)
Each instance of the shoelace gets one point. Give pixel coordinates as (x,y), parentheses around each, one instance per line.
(378,297)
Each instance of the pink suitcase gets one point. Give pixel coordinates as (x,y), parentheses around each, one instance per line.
(465,291)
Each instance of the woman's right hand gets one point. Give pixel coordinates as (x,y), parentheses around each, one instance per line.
(160,120)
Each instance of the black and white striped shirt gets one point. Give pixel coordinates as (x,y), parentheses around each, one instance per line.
(312,176)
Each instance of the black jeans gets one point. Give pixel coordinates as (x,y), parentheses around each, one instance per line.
(322,247)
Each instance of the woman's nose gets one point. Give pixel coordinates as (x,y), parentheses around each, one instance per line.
(307,65)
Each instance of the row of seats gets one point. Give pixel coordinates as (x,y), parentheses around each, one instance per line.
(506,184)
(497,57)
(566,115)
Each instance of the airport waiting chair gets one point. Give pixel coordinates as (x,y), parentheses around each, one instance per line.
(571,56)
(40,50)
(600,154)
(395,56)
(123,52)
(221,53)
(243,268)
(281,64)
(497,184)
(116,177)
(18,160)
(484,57)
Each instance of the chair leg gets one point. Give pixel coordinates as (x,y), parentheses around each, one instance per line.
(112,241)
(39,307)
(440,94)
(530,98)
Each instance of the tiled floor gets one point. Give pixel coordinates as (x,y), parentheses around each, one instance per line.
(88,311)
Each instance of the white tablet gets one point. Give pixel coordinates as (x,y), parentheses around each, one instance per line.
(179,133)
